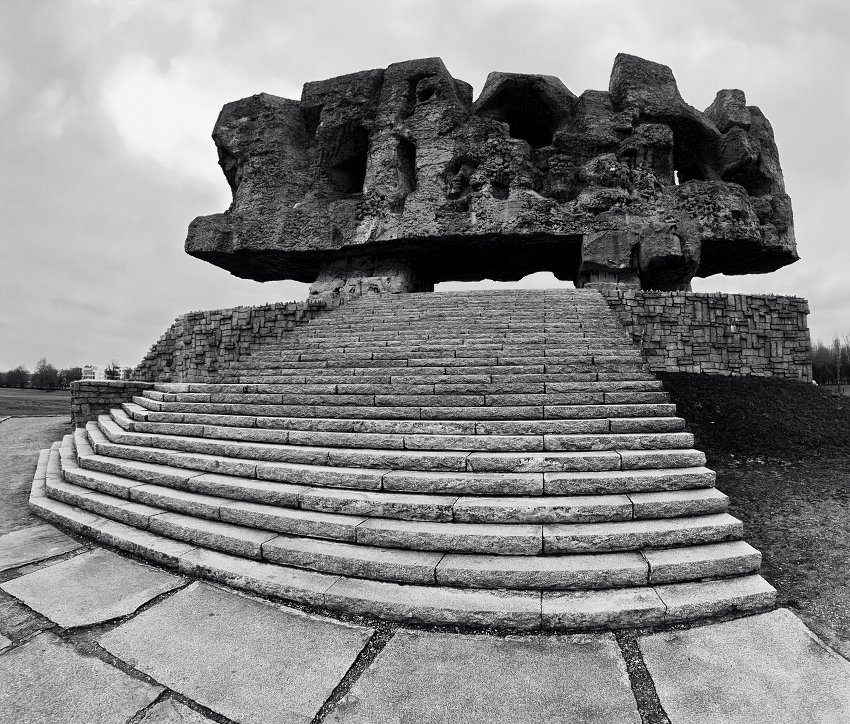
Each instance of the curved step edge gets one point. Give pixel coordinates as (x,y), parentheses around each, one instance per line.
(435,605)
(589,570)
(425,460)
(424,482)
(482,538)
(597,507)
(195,421)
(441,440)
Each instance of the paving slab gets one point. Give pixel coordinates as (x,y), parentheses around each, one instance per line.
(45,681)
(757,670)
(90,588)
(431,678)
(243,658)
(34,543)
(171,711)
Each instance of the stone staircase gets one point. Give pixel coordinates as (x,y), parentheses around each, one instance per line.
(479,458)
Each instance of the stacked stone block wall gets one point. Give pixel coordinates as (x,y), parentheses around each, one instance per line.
(90,398)
(201,344)
(720,334)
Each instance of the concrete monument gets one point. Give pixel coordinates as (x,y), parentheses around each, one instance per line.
(393,180)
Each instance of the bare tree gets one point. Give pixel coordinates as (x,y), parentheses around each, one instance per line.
(46,376)
(113,370)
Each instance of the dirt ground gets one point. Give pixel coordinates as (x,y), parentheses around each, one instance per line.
(16,402)
(782,454)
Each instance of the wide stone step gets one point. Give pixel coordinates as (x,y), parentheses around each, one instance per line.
(212,392)
(598,570)
(435,605)
(398,376)
(449,483)
(436,330)
(416,441)
(475,413)
(487,339)
(547,462)
(328,375)
(416,396)
(433,460)
(586,571)
(573,363)
(637,534)
(315,350)
(554,383)
(428,482)
(415,349)
(325,353)
(146,501)
(423,384)
(455,325)
(183,423)
(121,478)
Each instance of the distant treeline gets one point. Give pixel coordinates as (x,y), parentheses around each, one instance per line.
(829,361)
(47,377)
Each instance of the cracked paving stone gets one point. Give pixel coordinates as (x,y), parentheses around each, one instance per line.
(170,711)
(243,658)
(33,544)
(45,681)
(90,588)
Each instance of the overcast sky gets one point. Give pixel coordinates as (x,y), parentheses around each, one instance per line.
(106,109)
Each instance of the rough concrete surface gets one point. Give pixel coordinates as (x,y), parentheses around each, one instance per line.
(170,711)
(45,681)
(90,588)
(392,179)
(242,658)
(20,440)
(34,543)
(758,670)
(434,677)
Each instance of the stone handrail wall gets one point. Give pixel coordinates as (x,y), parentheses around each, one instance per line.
(201,344)
(721,334)
(90,398)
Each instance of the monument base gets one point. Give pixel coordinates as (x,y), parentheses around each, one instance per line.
(348,278)
(719,334)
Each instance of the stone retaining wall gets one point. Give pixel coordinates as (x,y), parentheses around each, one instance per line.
(720,334)
(724,334)
(200,344)
(90,398)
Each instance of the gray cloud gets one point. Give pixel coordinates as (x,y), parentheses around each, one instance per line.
(106,110)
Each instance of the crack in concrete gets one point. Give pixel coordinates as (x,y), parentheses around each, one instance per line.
(383,633)
(643,687)
(25,568)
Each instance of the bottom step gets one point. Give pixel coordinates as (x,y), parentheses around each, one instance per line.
(435,605)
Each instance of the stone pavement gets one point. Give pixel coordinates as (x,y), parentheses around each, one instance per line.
(87,635)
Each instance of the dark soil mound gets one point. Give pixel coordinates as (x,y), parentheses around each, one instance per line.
(757,417)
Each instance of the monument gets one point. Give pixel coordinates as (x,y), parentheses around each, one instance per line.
(484,458)
(395,179)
